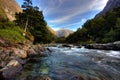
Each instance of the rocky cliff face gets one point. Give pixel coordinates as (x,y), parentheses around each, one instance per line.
(8,8)
(109,6)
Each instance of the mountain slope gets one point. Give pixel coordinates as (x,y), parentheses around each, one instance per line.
(64,32)
(51,30)
(111,4)
(8,8)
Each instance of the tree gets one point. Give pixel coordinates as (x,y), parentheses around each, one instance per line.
(32,20)
(110,36)
(27,4)
(117,30)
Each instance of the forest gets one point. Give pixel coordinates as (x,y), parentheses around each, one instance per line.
(103,29)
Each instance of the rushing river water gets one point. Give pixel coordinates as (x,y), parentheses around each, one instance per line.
(75,64)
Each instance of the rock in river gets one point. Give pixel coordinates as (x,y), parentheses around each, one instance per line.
(108,46)
(12,68)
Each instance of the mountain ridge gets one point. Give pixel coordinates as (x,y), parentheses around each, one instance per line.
(8,8)
(111,4)
(51,30)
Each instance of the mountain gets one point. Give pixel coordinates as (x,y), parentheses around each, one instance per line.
(64,32)
(111,4)
(8,8)
(51,30)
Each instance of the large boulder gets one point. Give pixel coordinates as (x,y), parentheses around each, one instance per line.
(12,68)
(21,61)
(108,46)
(20,53)
(38,48)
(13,58)
(35,50)
(5,57)
(67,45)
(31,52)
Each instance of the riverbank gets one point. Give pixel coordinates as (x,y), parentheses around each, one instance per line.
(13,59)
(108,46)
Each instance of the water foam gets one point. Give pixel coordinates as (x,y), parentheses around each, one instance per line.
(114,54)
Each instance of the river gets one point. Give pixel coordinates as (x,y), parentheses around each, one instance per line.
(75,64)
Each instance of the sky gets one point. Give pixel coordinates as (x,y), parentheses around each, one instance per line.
(68,14)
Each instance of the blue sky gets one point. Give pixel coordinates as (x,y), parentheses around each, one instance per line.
(68,14)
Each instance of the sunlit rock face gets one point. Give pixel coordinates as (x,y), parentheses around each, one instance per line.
(8,8)
(51,30)
(109,6)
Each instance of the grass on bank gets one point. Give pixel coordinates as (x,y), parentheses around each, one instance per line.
(13,35)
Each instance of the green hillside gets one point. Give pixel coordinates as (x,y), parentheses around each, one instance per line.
(103,29)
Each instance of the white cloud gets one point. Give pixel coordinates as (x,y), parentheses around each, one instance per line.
(56,28)
(100,4)
(73,24)
(77,9)
(59,20)
(66,17)
(77,23)
(48,7)
(63,11)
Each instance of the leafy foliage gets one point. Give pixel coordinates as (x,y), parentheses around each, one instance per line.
(103,29)
(60,40)
(27,4)
(5,23)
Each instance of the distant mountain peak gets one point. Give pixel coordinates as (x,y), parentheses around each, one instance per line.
(111,4)
(64,32)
